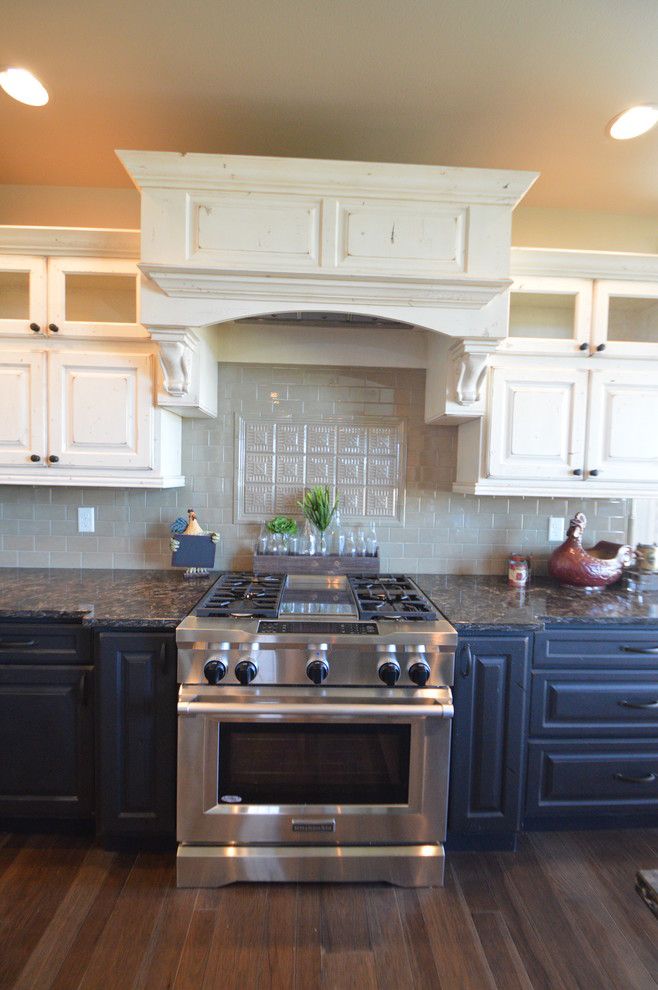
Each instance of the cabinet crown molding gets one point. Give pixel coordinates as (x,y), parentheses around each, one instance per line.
(569,263)
(70,241)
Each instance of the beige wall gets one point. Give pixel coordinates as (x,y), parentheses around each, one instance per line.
(69,206)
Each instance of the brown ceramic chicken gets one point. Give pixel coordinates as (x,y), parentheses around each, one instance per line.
(574,567)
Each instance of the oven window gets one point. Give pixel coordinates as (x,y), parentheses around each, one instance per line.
(317,763)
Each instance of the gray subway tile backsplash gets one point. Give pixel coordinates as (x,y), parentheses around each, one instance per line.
(443,532)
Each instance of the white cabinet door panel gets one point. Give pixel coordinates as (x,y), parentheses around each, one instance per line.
(100,409)
(537,422)
(623,431)
(22,408)
(22,295)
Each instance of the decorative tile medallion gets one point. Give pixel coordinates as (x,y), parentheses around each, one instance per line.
(364,460)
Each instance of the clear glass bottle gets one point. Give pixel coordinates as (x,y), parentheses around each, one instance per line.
(262,543)
(309,539)
(350,543)
(372,543)
(361,548)
(336,535)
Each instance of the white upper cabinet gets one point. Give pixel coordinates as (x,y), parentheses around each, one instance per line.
(623,430)
(537,423)
(94,297)
(22,295)
(550,315)
(22,408)
(99,409)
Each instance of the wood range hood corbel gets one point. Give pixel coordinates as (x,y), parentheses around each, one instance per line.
(232,237)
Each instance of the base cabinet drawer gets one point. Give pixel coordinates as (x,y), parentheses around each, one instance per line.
(599,648)
(567,777)
(602,703)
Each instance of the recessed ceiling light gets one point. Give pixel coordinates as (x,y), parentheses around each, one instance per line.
(21,85)
(633,122)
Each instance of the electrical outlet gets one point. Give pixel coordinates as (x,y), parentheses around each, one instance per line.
(86,522)
(555,529)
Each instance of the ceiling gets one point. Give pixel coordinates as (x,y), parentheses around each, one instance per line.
(499,83)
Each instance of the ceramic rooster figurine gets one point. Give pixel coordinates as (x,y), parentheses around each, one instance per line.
(589,570)
(189,527)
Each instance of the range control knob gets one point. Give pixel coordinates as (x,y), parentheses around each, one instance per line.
(389,672)
(245,671)
(419,672)
(215,670)
(317,670)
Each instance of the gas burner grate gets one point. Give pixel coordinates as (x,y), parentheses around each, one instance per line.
(391,596)
(243,595)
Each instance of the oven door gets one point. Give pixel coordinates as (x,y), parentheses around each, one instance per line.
(335,766)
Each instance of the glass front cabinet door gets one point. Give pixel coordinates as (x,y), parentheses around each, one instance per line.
(22,295)
(625,320)
(550,315)
(94,297)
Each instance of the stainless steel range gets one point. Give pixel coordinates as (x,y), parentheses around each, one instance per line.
(314,731)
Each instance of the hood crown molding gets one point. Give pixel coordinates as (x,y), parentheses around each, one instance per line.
(224,235)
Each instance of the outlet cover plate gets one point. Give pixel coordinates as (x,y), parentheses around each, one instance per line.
(86,521)
(555,529)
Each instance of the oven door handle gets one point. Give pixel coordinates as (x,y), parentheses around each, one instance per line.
(254,709)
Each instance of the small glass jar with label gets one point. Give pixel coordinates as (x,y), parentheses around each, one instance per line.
(518,571)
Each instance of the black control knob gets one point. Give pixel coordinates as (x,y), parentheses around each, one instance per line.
(35,328)
(245,671)
(317,671)
(583,347)
(54,459)
(215,670)
(419,673)
(35,458)
(600,347)
(594,473)
(389,672)
(577,472)
(53,328)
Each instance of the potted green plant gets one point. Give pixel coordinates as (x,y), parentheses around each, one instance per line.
(319,508)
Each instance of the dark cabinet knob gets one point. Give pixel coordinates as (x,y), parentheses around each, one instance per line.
(317,671)
(35,327)
(467,661)
(583,346)
(577,472)
(389,673)
(419,673)
(34,458)
(53,328)
(600,347)
(594,473)
(53,458)
(245,671)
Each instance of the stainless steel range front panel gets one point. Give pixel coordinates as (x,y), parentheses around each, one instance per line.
(203,817)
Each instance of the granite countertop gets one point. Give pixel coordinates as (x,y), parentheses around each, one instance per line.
(470,602)
(100,597)
(133,599)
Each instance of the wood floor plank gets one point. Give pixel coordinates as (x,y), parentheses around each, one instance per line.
(616,857)
(347,961)
(54,945)
(31,889)
(162,956)
(531,947)
(419,952)
(236,954)
(571,955)
(196,949)
(278,961)
(581,894)
(509,973)
(308,938)
(116,960)
(387,939)
(458,954)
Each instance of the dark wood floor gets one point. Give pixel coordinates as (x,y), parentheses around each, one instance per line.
(559,914)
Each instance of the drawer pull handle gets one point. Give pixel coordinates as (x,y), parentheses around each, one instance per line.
(638,704)
(645,778)
(16,644)
(467,661)
(639,649)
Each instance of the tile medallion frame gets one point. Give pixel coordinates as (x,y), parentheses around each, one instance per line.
(364,458)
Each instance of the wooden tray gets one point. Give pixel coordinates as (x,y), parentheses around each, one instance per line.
(271,563)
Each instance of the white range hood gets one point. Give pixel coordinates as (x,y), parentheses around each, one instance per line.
(233,237)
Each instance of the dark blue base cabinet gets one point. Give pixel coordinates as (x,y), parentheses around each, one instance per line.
(559,730)
(489,740)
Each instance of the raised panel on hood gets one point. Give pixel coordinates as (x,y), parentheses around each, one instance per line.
(255,230)
(402,237)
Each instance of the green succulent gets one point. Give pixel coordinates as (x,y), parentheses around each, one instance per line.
(318,507)
(282,524)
